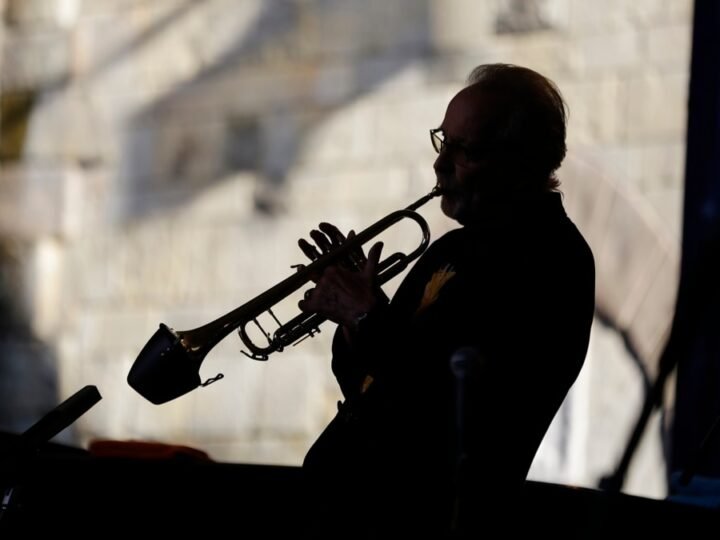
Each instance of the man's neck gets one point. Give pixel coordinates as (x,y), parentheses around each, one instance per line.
(509,209)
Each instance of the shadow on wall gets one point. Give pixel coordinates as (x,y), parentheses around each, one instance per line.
(250,110)
(28,375)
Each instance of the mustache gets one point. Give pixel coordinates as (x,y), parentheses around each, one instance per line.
(442,182)
(443,189)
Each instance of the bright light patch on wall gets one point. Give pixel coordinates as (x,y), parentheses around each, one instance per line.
(67,12)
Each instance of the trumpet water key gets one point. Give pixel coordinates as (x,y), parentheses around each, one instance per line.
(168,366)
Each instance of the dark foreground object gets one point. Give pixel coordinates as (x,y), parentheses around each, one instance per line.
(64,491)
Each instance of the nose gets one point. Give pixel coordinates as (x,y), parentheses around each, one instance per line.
(443,163)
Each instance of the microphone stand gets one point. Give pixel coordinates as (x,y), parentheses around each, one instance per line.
(464,365)
(29,443)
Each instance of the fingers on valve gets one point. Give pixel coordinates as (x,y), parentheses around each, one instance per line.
(336,237)
(357,256)
(321,240)
(308,249)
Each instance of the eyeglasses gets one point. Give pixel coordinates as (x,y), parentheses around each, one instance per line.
(459,153)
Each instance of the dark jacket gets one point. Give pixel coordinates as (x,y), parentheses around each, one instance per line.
(519,291)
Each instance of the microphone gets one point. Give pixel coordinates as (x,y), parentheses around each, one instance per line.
(464,364)
(19,456)
(60,417)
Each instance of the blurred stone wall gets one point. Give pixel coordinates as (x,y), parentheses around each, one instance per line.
(160,159)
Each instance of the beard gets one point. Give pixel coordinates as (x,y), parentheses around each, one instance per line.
(457,205)
(475,204)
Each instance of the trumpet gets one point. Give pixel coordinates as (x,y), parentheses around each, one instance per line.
(168,366)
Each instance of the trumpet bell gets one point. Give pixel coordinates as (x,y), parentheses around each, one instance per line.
(164,369)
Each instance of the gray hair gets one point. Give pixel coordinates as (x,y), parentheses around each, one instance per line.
(531,121)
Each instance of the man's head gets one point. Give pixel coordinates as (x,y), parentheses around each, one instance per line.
(504,136)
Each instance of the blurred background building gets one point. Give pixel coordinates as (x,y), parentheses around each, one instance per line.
(160,158)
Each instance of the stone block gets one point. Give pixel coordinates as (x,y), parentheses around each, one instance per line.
(619,51)
(595,109)
(115,327)
(85,280)
(648,13)
(549,52)
(668,47)
(33,60)
(342,139)
(663,165)
(66,128)
(460,25)
(41,13)
(334,84)
(293,392)
(620,164)
(596,18)
(668,203)
(343,29)
(648,116)
(32,201)
(16,112)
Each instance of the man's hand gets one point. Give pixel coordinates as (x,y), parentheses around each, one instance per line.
(327,239)
(344,291)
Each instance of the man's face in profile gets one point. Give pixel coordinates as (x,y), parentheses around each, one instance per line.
(465,168)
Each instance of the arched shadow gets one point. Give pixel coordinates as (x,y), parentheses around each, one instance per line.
(252,107)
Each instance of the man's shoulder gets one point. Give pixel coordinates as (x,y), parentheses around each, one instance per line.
(448,241)
(575,242)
